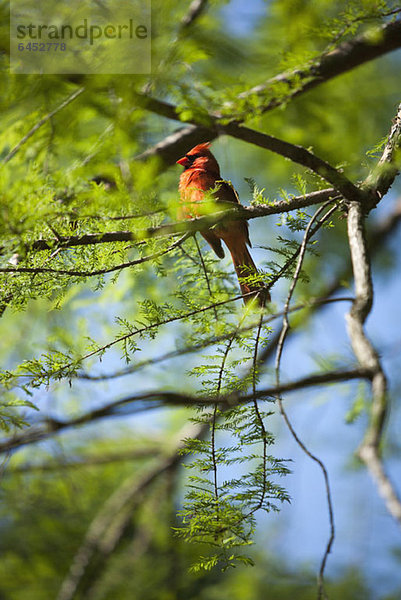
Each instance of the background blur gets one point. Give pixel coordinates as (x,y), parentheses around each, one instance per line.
(54,490)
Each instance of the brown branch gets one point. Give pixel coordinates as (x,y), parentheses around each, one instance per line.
(280,347)
(299,155)
(347,56)
(75,273)
(189,226)
(369,450)
(52,426)
(294,152)
(118,507)
(388,167)
(157,399)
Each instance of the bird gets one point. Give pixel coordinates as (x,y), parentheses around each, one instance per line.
(201,174)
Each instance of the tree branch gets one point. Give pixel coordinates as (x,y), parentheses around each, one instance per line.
(279,351)
(211,341)
(196,8)
(388,167)
(157,399)
(188,226)
(369,450)
(299,155)
(120,504)
(294,152)
(347,56)
(75,273)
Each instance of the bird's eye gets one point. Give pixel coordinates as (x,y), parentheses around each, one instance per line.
(193,157)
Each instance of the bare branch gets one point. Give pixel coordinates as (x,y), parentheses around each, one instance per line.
(294,152)
(189,226)
(176,144)
(316,459)
(347,56)
(195,10)
(299,155)
(158,398)
(120,504)
(369,450)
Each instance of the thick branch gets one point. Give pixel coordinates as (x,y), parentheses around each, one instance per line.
(238,212)
(369,451)
(299,155)
(294,152)
(118,506)
(347,56)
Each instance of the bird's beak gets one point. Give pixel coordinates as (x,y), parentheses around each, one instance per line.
(183,161)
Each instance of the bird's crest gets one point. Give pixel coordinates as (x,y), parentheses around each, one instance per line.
(200,148)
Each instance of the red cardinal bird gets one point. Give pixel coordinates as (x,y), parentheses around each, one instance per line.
(202,173)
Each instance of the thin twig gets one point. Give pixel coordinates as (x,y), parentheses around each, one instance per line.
(279,351)
(211,341)
(74,273)
(255,367)
(216,409)
(205,274)
(158,399)
(39,124)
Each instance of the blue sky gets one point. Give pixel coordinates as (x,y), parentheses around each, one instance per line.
(366,534)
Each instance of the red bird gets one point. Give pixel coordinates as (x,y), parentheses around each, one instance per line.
(202,173)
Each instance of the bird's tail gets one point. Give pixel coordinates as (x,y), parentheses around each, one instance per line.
(246,272)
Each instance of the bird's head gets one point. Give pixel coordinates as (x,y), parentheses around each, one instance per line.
(200,157)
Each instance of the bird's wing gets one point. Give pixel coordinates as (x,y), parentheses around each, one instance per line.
(214,242)
(226,192)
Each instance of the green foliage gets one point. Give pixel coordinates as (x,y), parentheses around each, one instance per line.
(45,515)
(221,513)
(94,275)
